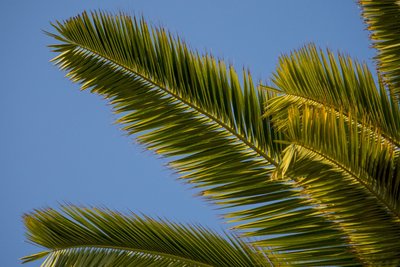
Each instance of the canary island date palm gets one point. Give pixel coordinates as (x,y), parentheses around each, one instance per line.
(307,167)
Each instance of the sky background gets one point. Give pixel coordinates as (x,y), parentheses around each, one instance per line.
(60,145)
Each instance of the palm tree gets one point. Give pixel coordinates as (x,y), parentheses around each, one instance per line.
(307,168)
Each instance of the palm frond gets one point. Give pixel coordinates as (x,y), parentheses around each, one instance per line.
(348,170)
(79,236)
(383,20)
(176,102)
(311,77)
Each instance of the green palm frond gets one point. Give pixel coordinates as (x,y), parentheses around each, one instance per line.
(176,102)
(353,173)
(311,77)
(79,236)
(194,109)
(383,20)
(158,60)
(343,143)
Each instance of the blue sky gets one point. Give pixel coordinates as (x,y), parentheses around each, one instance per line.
(59,144)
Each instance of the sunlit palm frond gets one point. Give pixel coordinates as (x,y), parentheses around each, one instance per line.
(176,102)
(343,143)
(311,77)
(158,60)
(353,173)
(79,236)
(383,20)
(344,89)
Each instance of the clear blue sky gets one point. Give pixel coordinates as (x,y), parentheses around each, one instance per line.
(60,145)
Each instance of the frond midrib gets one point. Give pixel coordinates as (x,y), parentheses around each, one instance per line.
(127,249)
(351,173)
(177,97)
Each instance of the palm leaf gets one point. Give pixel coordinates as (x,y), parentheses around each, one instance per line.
(383,20)
(343,146)
(348,170)
(80,236)
(310,77)
(307,79)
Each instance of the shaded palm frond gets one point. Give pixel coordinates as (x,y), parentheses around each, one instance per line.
(383,20)
(311,77)
(353,173)
(80,236)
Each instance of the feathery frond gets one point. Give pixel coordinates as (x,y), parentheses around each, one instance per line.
(309,77)
(341,87)
(353,173)
(343,139)
(80,236)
